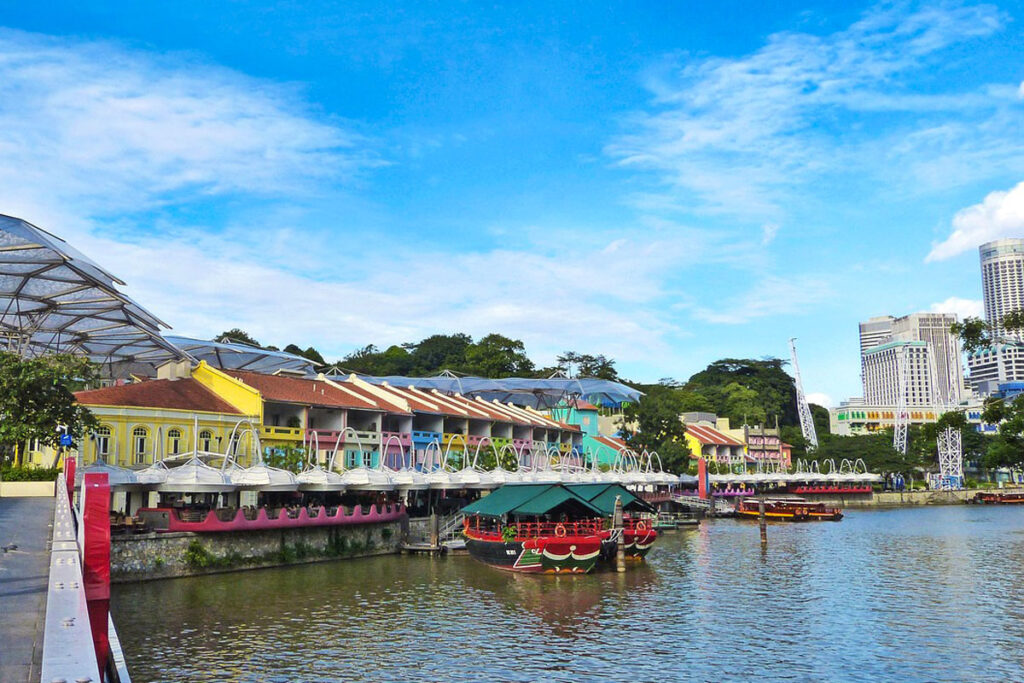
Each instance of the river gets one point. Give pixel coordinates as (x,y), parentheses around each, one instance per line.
(921,594)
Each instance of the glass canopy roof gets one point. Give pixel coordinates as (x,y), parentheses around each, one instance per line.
(235,356)
(53,299)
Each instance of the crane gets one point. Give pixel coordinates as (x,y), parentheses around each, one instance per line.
(803,409)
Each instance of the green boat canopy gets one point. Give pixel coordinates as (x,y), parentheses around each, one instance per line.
(602,496)
(532,500)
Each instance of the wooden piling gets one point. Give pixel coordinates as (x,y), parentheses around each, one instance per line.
(761,522)
(620,553)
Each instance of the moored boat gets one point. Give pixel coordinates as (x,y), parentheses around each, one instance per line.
(788,510)
(639,520)
(534,528)
(999,498)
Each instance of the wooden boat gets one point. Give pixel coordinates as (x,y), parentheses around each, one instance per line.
(999,498)
(639,520)
(534,528)
(788,510)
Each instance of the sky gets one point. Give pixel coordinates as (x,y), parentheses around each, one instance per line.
(664,183)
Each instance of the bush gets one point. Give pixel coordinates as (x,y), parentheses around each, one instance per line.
(21,473)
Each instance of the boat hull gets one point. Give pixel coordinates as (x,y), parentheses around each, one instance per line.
(791,513)
(560,555)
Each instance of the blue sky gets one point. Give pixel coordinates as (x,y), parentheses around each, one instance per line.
(668,184)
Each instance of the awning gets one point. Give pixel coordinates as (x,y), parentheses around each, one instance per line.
(602,496)
(531,500)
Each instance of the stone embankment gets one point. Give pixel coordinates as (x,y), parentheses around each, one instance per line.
(139,557)
(907,498)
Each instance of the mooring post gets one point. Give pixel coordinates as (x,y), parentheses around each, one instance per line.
(620,552)
(435,532)
(761,522)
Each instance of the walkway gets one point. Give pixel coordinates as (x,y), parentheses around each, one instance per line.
(24,573)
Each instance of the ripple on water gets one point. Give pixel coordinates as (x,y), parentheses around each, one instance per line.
(913,594)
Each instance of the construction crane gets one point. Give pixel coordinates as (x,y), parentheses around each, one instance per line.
(804,410)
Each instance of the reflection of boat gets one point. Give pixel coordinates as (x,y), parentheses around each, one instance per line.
(1000,498)
(789,510)
(534,528)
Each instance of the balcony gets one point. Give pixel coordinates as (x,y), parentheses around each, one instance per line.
(455,440)
(367,439)
(423,439)
(520,444)
(268,433)
(392,439)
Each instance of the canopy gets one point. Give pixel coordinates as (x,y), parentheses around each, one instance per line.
(235,356)
(531,500)
(53,299)
(603,497)
(539,393)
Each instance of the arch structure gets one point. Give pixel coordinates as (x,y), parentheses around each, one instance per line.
(54,299)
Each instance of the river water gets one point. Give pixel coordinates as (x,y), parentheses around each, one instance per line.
(925,594)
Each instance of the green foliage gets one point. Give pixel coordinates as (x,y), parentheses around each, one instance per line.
(658,426)
(508,534)
(198,557)
(15,473)
(309,353)
(977,334)
(747,390)
(877,452)
(498,356)
(289,458)
(239,336)
(585,365)
(36,396)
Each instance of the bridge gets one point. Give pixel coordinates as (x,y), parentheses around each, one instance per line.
(55,597)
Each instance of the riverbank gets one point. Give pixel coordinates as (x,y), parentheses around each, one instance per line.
(164,555)
(895,499)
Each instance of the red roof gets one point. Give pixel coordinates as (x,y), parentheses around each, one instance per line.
(580,404)
(180,394)
(311,392)
(392,405)
(611,442)
(711,436)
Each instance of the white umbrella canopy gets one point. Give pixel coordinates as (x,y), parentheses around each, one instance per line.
(120,478)
(265,478)
(409,480)
(195,476)
(367,479)
(317,478)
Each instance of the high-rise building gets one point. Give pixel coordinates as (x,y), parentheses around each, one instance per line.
(1002,280)
(874,332)
(935,371)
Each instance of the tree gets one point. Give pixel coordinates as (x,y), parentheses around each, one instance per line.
(585,365)
(309,354)
(36,397)
(441,352)
(976,333)
(498,356)
(774,394)
(658,427)
(240,336)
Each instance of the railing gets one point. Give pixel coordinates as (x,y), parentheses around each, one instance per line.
(392,439)
(289,433)
(242,520)
(425,437)
(527,530)
(831,489)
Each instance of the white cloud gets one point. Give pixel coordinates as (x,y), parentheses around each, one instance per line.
(1020,90)
(736,133)
(768,233)
(769,296)
(1000,214)
(108,128)
(820,399)
(963,308)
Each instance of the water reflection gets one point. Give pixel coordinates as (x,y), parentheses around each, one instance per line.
(927,594)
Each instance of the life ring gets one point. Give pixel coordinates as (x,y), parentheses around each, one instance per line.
(641,525)
(560,530)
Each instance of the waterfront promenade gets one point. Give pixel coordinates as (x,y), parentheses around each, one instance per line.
(24,573)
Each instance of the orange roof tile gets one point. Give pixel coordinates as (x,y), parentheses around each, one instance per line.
(305,391)
(181,394)
(711,436)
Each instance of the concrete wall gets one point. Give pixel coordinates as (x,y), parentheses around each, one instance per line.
(26,489)
(906,498)
(164,555)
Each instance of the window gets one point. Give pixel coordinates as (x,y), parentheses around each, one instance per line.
(140,436)
(205,437)
(102,441)
(174,441)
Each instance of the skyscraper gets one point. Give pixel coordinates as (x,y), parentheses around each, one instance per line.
(1002,279)
(935,374)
